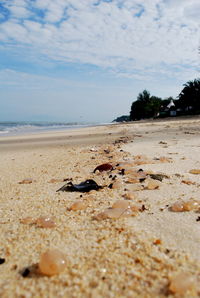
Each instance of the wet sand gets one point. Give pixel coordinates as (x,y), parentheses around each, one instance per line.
(126,257)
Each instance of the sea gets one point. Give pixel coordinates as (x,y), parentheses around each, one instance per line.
(25,127)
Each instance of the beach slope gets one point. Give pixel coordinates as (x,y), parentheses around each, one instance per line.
(135,254)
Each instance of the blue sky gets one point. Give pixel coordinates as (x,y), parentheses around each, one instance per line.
(72,60)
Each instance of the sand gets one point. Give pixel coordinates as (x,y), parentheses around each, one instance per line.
(135,256)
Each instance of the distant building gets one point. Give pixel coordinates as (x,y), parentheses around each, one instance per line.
(168,110)
(171,104)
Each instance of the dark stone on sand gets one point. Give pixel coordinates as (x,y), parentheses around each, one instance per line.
(25,272)
(2,260)
(103,167)
(158,177)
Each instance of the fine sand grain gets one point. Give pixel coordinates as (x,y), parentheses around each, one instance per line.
(135,256)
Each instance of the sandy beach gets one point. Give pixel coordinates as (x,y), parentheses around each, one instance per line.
(137,255)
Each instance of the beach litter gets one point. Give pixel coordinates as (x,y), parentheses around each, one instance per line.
(85,186)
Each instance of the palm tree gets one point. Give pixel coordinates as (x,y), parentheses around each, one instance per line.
(189,98)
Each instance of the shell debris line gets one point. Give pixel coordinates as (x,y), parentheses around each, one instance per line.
(111,228)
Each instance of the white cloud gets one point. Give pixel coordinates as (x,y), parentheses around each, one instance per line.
(131,37)
(19,12)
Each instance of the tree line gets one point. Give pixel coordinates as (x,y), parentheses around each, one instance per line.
(149,106)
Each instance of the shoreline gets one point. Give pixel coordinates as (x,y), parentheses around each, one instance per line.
(87,135)
(88,126)
(79,136)
(34,128)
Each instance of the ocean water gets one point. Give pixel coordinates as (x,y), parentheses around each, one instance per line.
(19,128)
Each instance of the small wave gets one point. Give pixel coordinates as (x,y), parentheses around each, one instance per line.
(17,128)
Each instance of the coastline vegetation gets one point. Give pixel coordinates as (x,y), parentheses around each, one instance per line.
(150,106)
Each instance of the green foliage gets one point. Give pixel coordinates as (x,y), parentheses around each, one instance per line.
(190,96)
(146,106)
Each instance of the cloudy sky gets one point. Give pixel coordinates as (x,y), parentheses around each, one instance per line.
(87,60)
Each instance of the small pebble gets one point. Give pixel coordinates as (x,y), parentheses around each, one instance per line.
(157,242)
(28,220)
(117,184)
(115,213)
(152,184)
(132,180)
(25,272)
(195,171)
(181,283)
(188,182)
(129,196)
(124,205)
(181,206)
(46,222)
(121,204)
(177,206)
(103,167)
(79,205)
(26,181)
(52,262)
(191,205)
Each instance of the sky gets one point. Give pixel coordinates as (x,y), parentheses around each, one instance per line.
(87,60)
